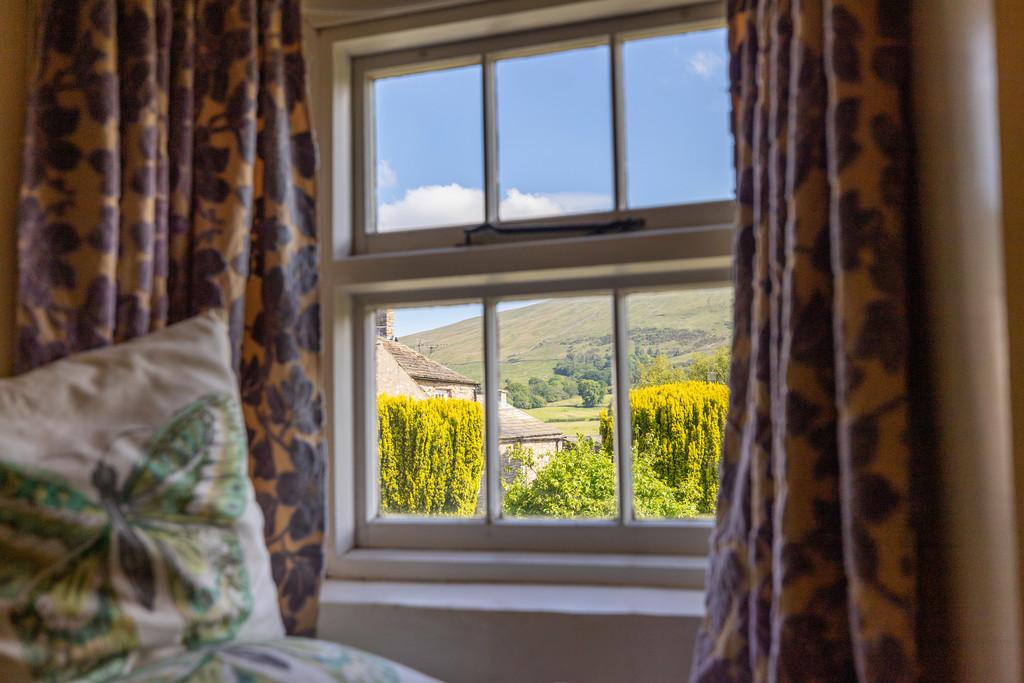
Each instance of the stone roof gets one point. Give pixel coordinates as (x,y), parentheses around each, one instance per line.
(517,425)
(422,368)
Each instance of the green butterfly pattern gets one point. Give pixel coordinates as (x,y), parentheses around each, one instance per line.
(285,660)
(78,564)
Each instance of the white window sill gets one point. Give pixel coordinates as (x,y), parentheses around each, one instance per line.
(508,567)
(532,598)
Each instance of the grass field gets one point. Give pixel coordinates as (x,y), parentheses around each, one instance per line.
(570,417)
(589,428)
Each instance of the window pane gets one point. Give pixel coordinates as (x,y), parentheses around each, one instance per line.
(429,149)
(430,414)
(555,371)
(678,144)
(679,367)
(554,133)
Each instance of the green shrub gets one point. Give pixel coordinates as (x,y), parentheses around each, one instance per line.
(579,481)
(654,498)
(430,454)
(677,428)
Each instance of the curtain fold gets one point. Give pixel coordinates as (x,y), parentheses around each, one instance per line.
(169,169)
(813,563)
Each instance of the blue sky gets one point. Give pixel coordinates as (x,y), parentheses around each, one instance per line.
(554,129)
(411,320)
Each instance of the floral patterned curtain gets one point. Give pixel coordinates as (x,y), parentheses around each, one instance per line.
(813,564)
(168,170)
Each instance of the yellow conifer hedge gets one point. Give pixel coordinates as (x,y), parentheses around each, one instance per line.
(678,427)
(430,454)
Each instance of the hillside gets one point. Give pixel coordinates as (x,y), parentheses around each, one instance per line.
(533,339)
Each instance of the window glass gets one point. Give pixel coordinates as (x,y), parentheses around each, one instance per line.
(555,373)
(554,133)
(429,149)
(679,373)
(678,144)
(430,410)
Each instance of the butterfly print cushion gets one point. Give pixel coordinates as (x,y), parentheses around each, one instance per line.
(128,526)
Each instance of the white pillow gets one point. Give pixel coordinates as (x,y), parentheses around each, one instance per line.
(128,525)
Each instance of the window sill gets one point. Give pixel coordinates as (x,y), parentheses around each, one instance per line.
(502,567)
(532,598)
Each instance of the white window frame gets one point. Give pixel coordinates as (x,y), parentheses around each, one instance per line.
(685,246)
(486,52)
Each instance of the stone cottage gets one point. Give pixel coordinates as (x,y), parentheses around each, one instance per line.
(403,371)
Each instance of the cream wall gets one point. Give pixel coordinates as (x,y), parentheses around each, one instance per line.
(14,20)
(1010,56)
(962,67)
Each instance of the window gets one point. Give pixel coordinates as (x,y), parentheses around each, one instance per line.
(589,123)
(556,397)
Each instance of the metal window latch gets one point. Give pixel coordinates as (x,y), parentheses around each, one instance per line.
(618,225)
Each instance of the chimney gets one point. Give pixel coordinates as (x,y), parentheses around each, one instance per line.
(386,323)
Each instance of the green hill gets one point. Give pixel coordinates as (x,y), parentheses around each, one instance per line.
(534,338)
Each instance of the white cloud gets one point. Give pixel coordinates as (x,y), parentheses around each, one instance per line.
(433,205)
(386,176)
(436,205)
(518,204)
(705,64)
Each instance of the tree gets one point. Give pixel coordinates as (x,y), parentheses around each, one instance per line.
(539,387)
(590,365)
(637,360)
(568,385)
(710,367)
(567,365)
(556,388)
(591,392)
(522,397)
(602,376)
(658,370)
(552,389)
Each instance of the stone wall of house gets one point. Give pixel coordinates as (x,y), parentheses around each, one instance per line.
(542,449)
(392,379)
(450,390)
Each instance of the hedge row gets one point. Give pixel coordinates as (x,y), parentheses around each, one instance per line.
(431,454)
(678,429)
